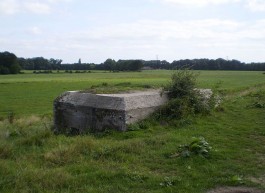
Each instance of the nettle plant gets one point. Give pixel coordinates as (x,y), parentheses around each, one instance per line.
(198,146)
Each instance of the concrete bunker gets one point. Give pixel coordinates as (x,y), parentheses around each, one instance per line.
(77,112)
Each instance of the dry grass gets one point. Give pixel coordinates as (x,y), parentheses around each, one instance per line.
(24,122)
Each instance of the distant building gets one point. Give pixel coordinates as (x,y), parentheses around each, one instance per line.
(147,68)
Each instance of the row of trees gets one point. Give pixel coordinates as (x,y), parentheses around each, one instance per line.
(120,65)
(40,63)
(205,64)
(9,63)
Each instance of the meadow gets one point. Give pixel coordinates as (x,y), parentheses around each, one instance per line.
(33,159)
(33,94)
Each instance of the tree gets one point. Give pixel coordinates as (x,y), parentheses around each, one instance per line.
(9,63)
(135,65)
(55,63)
(110,64)
(26,64)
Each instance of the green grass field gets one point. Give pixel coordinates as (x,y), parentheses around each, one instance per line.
(33,159)
(28,93)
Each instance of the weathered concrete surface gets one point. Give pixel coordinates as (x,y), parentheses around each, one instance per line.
(78,112)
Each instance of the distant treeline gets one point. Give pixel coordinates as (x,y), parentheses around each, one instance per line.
(40,63)
(10,64)
(205,64)
(109,64)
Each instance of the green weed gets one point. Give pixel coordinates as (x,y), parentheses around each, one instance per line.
(167,182)
(198,146)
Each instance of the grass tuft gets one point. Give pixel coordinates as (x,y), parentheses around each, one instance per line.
(6,151)
(63,155)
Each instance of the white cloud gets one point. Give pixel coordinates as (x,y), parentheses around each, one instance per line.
(59,1)
(256,5)
(186,37)
(35,30)
(164,30)
(195,38)
(253,5)
(11,7)
(8,7)
(200,2)
(38,8)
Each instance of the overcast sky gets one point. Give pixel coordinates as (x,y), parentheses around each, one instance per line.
(95,30)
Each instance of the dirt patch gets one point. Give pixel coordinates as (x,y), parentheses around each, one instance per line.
(246,91)
(235,190)
(259,180)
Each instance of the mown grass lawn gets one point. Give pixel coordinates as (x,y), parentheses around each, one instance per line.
(32,159)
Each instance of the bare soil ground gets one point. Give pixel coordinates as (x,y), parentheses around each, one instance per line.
(235,190)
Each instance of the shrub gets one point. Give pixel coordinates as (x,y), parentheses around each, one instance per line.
(184,98)
(175,109)
(182,84)
(198,146)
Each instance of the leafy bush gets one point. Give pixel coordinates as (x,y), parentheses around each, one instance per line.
(175,109)
(42,72)
(182,84)
(184,98)
(199,146)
